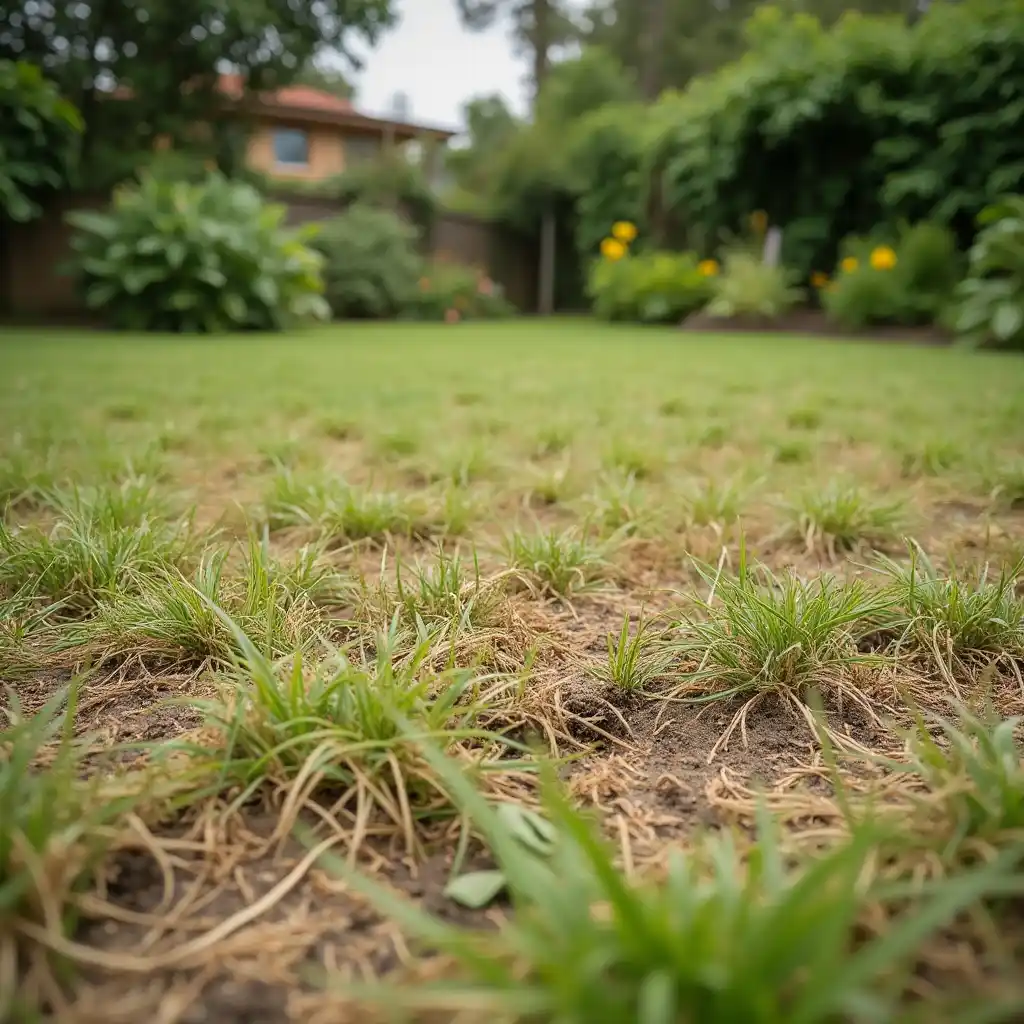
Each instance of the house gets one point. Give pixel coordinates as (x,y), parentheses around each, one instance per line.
(301,133)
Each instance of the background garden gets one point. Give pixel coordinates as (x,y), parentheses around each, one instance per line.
(884,148)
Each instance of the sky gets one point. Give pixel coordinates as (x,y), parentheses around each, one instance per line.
(439,65)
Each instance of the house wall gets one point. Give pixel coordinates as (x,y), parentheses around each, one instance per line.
(326,152)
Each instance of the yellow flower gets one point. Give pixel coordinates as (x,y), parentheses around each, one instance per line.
(819,279)
(624,231)
(849,265)
(708,267)
(759,221)
(883,258)
(612,249)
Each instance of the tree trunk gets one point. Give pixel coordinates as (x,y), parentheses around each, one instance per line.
(546,268)
(652,67)
(541,44)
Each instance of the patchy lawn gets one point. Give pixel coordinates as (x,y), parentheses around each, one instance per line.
(743,594)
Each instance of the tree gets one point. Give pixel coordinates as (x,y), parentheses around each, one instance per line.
(327,78)
(161,59)
(538,27)
(38,134)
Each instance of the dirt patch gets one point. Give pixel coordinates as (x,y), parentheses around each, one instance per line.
(814,322)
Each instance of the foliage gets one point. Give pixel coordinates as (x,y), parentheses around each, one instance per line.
(453,292)
(655,287)
(991,299)
(173,256)
(89,49)
(391,181)
(834,131)
(371,267)
(749,287)
(38,138)
(909,283)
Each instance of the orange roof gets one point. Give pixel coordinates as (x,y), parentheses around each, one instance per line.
(301,97)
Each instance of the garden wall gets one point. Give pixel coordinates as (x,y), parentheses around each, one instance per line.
(32,285)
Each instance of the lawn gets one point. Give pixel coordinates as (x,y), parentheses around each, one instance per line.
(679,670)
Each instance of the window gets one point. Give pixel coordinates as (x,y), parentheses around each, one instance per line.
(291,147)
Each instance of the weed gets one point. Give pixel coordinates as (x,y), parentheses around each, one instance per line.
(931,458)
(974,774)
(633,662)
(100,541)
(632,461)
(619,504)
(166,618)
(53,827)
(948,615)
(807,418)
(396,444)
(556,564)
(552,440)
(761,634)
(713,503)
(339,723)
(791,452)
(842,518)
(343,512)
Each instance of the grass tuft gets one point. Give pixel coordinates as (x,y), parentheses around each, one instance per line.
(557,564)
(841,517)
(948,615)
(634,660)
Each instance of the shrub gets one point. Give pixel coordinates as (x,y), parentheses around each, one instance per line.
(38,134)
(174,256)
(991,300)
(832,130)
(371,267)
(657,287)
(453,291)
(909,283)
(746,286)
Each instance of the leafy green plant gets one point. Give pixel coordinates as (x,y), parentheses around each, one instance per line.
(450,291)
(749,287)
(654,287)
(208,257)
(38,138)
(908,283)
(991,298)
(726,935)
(371,267)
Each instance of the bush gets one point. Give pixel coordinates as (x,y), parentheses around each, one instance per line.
(174,256)
(747,287)
(990,302)
(657,287)
(38,137)
(909,283)
(371,267)
(453,292)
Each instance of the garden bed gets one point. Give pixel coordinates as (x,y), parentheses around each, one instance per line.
(814,322)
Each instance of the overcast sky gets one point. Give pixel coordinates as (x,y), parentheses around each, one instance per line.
(439,65)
